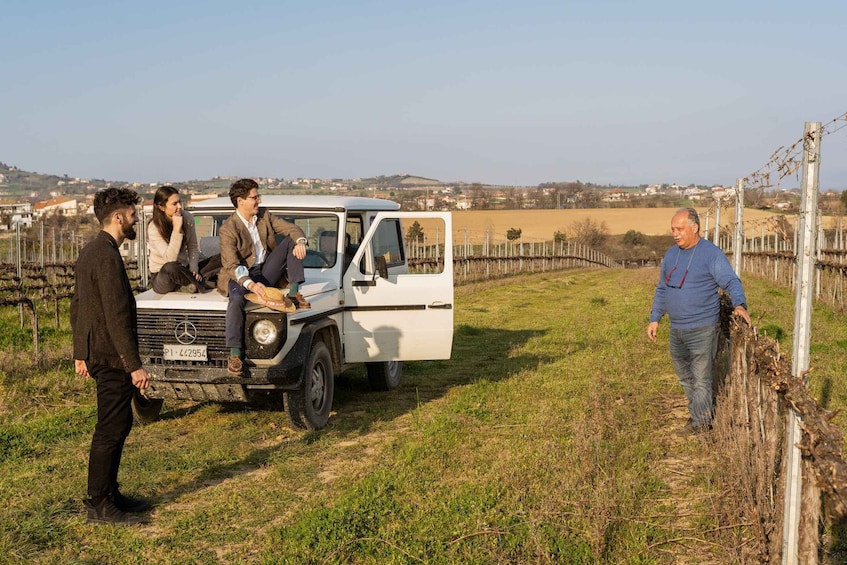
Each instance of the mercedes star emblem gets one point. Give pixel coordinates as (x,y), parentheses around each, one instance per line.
(185,332)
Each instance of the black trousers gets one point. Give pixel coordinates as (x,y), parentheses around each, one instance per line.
(114,421)
(172,276)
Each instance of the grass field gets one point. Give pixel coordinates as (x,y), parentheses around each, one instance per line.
(548,438)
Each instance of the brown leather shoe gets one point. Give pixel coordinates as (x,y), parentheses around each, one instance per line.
(299,302)
(234,365)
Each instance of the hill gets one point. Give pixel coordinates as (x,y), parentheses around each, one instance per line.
(395,181)
(17,183)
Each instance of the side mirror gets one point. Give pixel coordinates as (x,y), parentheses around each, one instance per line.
(381,266)
(381,270)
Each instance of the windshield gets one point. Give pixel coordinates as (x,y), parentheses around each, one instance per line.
(321,236)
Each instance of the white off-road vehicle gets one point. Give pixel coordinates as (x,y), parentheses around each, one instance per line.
(367,307)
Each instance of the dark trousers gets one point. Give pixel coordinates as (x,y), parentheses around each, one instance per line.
(280,261)
(172,276)
(114,421)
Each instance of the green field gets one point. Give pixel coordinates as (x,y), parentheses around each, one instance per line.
(548,438)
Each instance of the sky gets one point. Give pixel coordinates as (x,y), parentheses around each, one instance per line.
(620,92)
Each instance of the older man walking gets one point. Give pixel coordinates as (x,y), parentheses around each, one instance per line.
(692,272)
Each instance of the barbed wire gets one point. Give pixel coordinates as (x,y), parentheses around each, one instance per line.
(786,161)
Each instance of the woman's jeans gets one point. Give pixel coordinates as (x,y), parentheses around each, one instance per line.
(693,352)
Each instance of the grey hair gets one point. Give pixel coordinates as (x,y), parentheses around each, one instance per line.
(693,216)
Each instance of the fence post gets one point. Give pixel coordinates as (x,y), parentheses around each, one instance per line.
(717,238)
(19,271)
(142,251)
(738,243)
(805,253)
(818,253)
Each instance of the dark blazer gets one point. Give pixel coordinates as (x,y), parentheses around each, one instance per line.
(103,315)
(237,245)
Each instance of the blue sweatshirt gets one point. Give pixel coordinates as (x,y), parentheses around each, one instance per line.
(696,304)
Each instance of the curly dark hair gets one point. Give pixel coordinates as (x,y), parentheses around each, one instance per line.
(110,200)
(240,189)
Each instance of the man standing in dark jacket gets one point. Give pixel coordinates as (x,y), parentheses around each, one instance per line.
(103,319)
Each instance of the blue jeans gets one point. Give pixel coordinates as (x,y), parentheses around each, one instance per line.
(693,352)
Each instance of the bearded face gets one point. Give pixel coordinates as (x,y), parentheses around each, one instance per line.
(129,232)
(130,218)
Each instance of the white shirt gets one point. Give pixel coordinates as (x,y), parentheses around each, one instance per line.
(258,248)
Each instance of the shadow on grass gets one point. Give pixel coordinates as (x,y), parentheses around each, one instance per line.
(836,546)
(826,392)
(215,474)
(182,411)
(479,354)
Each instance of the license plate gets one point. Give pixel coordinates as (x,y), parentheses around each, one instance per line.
(174,352)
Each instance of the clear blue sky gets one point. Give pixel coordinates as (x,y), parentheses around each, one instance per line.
(621,92)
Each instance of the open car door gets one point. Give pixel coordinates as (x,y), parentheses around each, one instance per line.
(399,307)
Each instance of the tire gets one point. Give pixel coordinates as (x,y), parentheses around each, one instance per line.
(308,408)
(384,375)
(145,410)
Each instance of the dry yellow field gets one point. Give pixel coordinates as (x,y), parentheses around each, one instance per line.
(540,225)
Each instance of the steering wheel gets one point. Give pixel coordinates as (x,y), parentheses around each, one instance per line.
(315,259)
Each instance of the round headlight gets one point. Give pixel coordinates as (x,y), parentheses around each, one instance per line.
(264,332)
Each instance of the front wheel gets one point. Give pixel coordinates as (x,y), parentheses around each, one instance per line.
(384,375)
(145,410)
(309,406)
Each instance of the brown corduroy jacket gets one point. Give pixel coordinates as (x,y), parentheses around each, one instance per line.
(237,245)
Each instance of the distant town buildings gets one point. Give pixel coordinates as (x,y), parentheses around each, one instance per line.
(14,213)
(410,191)
(62,206)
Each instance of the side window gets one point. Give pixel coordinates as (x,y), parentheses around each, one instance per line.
(353,234)
(355,230)
(207,233)
(425,244)
(388,242)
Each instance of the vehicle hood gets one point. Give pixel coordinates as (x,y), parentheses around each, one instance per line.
(214,300)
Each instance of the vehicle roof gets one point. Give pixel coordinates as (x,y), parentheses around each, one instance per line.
(304,202)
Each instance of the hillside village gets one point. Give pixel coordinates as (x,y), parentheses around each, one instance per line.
(28,197)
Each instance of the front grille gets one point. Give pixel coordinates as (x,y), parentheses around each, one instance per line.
(157,327)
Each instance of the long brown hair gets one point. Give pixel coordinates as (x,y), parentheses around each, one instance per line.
(160,220)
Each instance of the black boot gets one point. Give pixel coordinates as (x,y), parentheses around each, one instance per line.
(104,511)
(128,503)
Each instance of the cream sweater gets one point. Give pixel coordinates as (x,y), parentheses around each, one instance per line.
(182,248)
